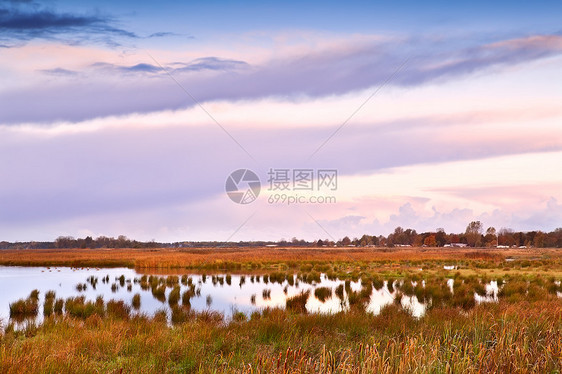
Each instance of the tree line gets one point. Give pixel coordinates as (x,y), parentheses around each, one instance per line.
(473,236)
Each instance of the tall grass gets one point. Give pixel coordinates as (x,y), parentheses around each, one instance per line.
(498,338)
(49,303)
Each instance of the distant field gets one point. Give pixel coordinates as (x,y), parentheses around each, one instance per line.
(258,258)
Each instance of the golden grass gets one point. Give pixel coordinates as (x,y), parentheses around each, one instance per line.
(506,337)
(520,333)
(248,257)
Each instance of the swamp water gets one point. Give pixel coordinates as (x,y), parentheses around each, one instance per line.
(222,293)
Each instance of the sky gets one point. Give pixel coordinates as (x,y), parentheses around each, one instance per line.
(127,118)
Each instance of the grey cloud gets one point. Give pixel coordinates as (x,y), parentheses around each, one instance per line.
(138,68)
(210,63)
(163,34)
(200,64)
(59,72)
(30,24)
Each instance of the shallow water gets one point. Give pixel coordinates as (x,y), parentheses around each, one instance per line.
(244,296)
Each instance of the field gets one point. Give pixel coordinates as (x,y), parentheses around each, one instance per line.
(251,257)
(521,332)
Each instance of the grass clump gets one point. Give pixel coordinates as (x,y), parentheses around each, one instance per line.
(25,308)
(174,296)
(136,302)
(49,304)
(297,303)
(323,293)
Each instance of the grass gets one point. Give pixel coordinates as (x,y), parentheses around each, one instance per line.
(49,303)
(522,332)
(297,303)
(299,259)
(80,308)
(136,302)
(186,298)
(323,293)
(174,296)
(25,308)
(503,337)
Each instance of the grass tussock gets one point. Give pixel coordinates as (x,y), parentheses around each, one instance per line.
(323,293)
(25,308)
(297,303)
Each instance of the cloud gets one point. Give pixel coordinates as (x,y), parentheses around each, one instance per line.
(211,63)
(59,72)
(548,218)
(161,34)
(200,64)
(545,216)
(138,68)
(26,20)
(334,70)
(151,164)
(26,25)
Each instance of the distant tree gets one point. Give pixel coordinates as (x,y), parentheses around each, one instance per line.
(410,236)
(398,236)
(65,242)
(507,237)
(418,240)
(89,241)
(490,239)
(539,240)
(440,237)
(473,233)
(365,240)
(345,241)
(430,241)
(557,235)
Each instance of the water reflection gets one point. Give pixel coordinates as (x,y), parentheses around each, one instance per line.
(491,293)
(222,293)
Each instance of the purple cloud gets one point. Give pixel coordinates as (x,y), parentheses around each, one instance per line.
(315,74)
